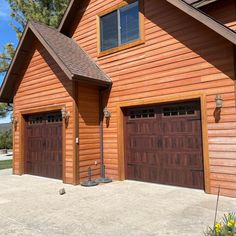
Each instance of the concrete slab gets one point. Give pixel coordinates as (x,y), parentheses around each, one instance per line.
(32,206)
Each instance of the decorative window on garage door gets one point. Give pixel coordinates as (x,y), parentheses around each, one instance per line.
(35,120)
(45,118)
(145,113)
(179,110)
(54,118)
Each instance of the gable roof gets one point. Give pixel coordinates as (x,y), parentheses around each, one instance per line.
(74,62)
(187,6)
(205,19)
(72,58)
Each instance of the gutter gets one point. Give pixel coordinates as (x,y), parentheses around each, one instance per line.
(202,3)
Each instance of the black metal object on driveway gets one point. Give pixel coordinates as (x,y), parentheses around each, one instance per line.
(89,182)
(103,179)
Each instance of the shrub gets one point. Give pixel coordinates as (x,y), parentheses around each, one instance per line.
(227,227)
(6,140)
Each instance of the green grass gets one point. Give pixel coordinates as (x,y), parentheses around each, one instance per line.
(5,164)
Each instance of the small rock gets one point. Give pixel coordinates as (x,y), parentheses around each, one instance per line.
(62,191)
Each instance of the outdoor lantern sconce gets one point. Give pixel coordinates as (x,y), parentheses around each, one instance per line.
(14,121)
(65,116)
(219,102)
(219,105)
(107,115)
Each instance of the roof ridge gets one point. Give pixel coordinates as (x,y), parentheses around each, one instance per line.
(45,25)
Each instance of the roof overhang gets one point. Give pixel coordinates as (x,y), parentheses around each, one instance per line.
(9,86)
(205,19)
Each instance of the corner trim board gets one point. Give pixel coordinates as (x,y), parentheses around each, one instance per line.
(76,178)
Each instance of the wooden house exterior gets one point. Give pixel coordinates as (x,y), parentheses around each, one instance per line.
(161,89)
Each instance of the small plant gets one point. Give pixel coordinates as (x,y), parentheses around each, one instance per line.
(6,140)
(227,227)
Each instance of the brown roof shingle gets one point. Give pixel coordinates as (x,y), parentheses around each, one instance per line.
(71,55)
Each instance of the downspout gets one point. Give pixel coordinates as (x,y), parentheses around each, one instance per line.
(101,107)
(234,55)
(103,178)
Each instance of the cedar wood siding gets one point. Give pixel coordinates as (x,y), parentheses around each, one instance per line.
(89,142)
(44,85)
(180,56)
(224,11)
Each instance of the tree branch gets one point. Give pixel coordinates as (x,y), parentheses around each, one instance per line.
(3,71)
(5,58)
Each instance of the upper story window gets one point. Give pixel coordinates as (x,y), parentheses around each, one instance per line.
(120,27)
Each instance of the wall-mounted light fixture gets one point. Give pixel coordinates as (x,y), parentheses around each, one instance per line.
(107,114)
(219,101)
(219,105)
(14,121)
(65,116)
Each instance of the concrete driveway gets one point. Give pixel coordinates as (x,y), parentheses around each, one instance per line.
(32,206)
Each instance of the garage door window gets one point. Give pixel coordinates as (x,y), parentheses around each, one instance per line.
(55,118)
(182,110)
(35,120)
(142,114)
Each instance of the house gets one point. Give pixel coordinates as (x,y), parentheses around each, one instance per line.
(145,87)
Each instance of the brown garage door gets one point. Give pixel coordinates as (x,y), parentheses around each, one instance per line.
(164,144)
(43,147)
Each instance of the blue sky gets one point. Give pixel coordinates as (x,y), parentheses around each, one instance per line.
(7,34)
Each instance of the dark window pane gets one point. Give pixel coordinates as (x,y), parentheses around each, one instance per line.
(109,31)
(129,23)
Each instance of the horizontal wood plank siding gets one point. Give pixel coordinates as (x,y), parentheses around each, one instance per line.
(44,85)
(89,142)
(223,11)
(180,56)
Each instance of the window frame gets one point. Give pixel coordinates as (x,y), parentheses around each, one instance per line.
(136,42)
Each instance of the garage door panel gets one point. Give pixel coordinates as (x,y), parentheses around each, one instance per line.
(169,176)
(44,145)
(165,147)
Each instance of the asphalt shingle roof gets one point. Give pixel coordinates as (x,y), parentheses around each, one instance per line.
(71,55)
